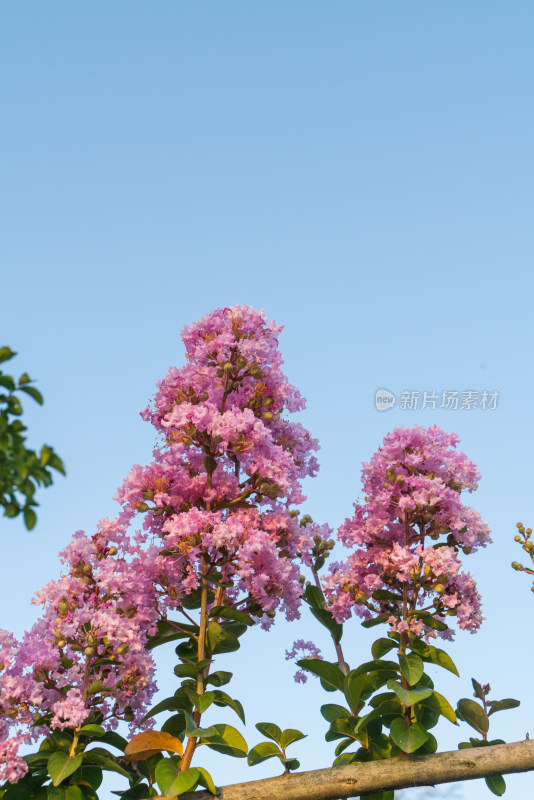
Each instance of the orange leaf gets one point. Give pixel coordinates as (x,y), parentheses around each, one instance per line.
(147,744)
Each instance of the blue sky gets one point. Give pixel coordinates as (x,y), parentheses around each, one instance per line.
(363,172)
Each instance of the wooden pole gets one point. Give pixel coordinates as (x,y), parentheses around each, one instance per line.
(394,773)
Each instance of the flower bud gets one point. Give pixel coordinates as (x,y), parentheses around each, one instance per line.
(517,538)
(89,651)
(142,507)
(61,644)
(517,566)
(112,551)
(62,609)
(40,674)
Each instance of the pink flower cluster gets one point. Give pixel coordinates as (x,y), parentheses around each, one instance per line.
(12,767)
(408,534)
(84,659)
(217,498)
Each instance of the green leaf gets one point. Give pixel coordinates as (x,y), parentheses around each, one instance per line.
(228,741)
(30,518)
(325,618)
(64,793)
(96,687)
(191,728)
(24,378)
(473,713)
(263,751)
(206,780)
(179,702)
(175,725)
(102,758)
(221,640)
(7,382)
(408,696)
(384,710)
(34,393)
(270,730)
(412,667)
(331,711)
(371,623)
(429,747)
(6,353)
(436,656)
(382,646)
(445,707)
(478,689)
(291,735)
(385,594)
(389,795)
(219,678)
(114,739)
(432,622)
(173,782)
(14,405)
(375,666)
(496,784)
(90,775)
(329,673)
(61,765)
(361,685)
(223,699)
(92,730)
(408,738)
(185,671)
(17,791)
(168,632)
(231,613)
(502,705)
(201,701)
(314,596)
(290,763)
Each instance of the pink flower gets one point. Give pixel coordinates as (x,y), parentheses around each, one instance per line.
(302,649)
(406,537)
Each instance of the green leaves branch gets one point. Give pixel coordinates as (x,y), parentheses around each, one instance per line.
(276,748)
(22,470)
(477,715)
(397,719)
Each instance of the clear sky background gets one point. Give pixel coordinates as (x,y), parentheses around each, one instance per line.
(363,171)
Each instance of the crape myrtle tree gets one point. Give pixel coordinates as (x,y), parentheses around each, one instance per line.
(210,542)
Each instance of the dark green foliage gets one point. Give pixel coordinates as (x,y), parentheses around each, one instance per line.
(22,470)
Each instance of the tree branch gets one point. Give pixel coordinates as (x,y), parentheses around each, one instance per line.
(393,773)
